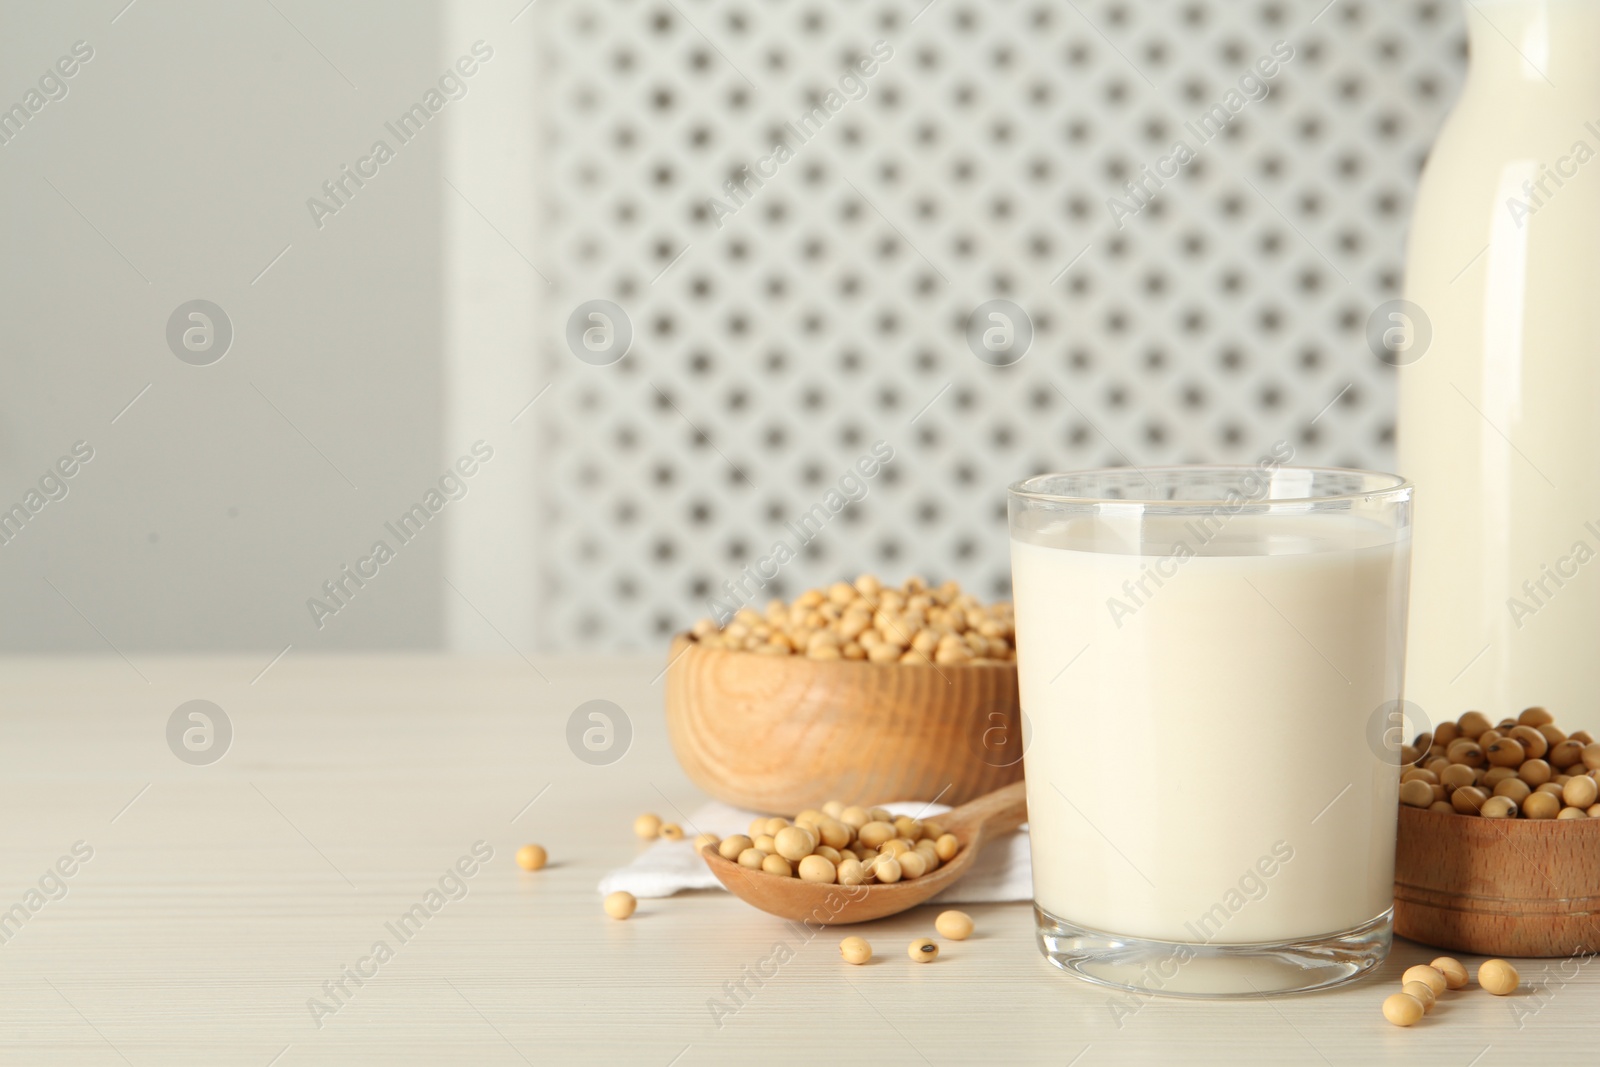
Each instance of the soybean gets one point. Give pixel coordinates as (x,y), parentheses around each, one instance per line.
(1417,794)
(1428,976)
(1422,993)
(795,843)
(1565,754)
(1531,740)
(730,847)
(619,905)
(1535,772)
(1506,752)
(1455,974)
(1402,1009)
(1468,799)
(1541,805)
(913,864)
(1498,807)
(1580,791)
(1498,977)
(855,950)
(1514,788)
(817,869)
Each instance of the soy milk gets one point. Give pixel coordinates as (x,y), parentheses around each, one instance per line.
(1200,767)
(1499,421)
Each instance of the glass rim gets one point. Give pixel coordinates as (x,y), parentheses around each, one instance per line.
(1388,485)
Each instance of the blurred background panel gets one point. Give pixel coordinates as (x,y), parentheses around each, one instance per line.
(780,324)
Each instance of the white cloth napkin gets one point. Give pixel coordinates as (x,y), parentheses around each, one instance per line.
(1001,872)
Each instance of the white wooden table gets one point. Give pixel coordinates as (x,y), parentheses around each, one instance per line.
(220,899)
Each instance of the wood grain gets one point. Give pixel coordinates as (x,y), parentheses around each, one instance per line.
(783,733)
(216,903)
(1500,887)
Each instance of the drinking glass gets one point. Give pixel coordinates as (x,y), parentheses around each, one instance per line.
(1210,662)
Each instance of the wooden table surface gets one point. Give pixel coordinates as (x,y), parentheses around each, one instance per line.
(220,899)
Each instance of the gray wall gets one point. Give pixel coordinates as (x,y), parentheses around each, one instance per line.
(177,167)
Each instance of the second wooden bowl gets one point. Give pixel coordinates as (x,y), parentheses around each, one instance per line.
(1498,887)
(784,733)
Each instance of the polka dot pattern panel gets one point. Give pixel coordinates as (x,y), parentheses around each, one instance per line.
(805,212)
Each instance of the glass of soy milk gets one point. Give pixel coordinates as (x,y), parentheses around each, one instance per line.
(1210,662)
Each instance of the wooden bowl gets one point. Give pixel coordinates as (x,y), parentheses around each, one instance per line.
(1498,887)
(784,733)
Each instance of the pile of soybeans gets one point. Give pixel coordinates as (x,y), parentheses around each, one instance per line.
(849,845)
(866,620)
(1525,767)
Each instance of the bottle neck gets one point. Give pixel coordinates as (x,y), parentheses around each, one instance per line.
(1535,46)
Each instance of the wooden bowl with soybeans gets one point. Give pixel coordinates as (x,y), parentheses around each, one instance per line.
(859,691)
(1502,857)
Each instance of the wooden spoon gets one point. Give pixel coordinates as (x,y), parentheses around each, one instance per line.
(790,898)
